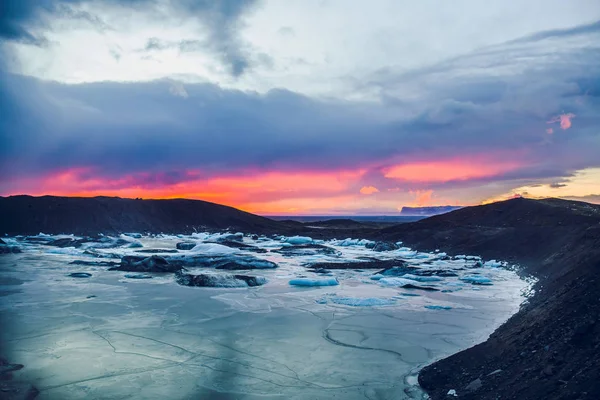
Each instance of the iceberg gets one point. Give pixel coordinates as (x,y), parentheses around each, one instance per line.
(351,242)
(80,275)
(314,282)
(298,240)
(421,278)
(395,281)
(219,280)
(362,302)
(476,280)
(493,264)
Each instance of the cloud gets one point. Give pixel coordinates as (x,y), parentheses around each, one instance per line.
(27,20)
(556,185)
(177,89)
(470,124)
(422,197)
(591,28)
(564,119)
(368,190)
(591,198)
(458,169)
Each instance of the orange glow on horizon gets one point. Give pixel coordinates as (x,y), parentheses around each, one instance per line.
(449,170)
(267,192)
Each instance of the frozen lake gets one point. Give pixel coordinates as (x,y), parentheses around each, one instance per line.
(108,336)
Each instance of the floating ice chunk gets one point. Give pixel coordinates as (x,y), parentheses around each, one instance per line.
(452,392)
(314,282)
(212,249)
(460,257)
(219,280)
(421,278)
(133,242)
(473,258)
(476,280)
(80,275)
(363,302)
(377,277)
(137,276)
(395,281)
(493,264)
(438,307)
(346,242)
(298,240)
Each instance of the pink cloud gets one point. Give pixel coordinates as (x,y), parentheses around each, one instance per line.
(448,170)
(564,119)
(549,131)
(422,197)
(369,190)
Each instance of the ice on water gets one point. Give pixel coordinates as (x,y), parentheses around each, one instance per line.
(116,334)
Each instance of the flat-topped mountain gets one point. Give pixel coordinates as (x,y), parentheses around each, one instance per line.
(82,216)
(427,211)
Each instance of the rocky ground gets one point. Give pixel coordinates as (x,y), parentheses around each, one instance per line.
(551,348)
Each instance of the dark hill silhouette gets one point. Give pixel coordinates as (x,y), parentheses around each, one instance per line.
(86,216)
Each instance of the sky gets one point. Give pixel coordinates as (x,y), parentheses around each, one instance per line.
(317,107)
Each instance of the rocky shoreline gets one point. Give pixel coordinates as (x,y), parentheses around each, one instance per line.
(550,349)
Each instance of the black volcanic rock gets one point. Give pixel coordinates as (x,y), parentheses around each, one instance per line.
(95,263)
(66,242)
(398,270)
(146,264)
(213,280)
(382,246)
(419,287)
(240,264)
(239,245)
(185,245)
(307,249)
(6,249)
(80,275)
(367,264)
(29,215)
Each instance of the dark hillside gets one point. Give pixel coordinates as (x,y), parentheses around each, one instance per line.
(551,348)
(50,214)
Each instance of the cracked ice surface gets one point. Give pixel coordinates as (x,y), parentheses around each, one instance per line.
(109,336)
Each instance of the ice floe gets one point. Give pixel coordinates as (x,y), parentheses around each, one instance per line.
(476,279)
(314,282)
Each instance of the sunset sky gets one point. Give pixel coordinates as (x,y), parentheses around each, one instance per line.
(301,106)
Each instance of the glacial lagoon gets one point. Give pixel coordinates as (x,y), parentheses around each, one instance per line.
(364,335)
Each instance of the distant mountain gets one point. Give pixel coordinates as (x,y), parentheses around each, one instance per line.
(427,211)
(87,216)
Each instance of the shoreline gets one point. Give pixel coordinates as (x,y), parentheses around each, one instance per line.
(549,348)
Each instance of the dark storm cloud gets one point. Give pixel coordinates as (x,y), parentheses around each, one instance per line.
(19,20)
(493,108)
